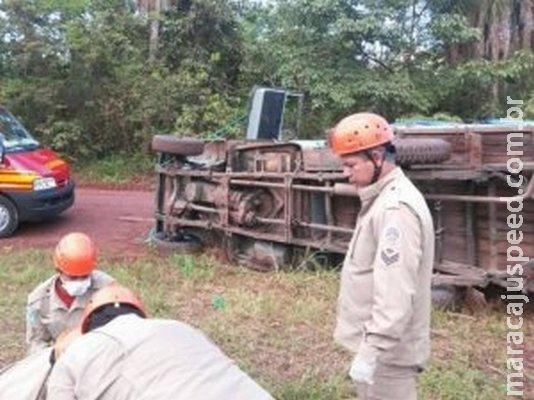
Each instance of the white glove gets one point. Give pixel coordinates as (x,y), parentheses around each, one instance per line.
(363,368)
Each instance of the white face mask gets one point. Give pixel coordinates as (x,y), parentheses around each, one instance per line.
(76,287)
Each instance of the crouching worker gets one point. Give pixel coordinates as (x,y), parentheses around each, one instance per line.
(57,304)
(26,379)
(123,355)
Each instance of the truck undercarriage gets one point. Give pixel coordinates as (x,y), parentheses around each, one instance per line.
(269,201)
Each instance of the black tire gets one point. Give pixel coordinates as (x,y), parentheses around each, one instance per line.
(179,146)
(9,217)
(232,245)
(446,297)
(247,252)
(182,242)
(422,151)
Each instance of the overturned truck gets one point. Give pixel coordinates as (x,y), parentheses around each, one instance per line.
(268,201)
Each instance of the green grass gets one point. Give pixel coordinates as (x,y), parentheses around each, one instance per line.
(277,326)
(456,380)
(116,169)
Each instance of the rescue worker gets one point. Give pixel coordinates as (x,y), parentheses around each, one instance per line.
(383,315)
(26,379)
(123,355)
(57,304)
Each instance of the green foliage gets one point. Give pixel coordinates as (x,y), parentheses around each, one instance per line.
(328,50)
(67,137)
(529,107)
(436,117)
(81,81)
(116,168)
(469,89)
(80,76)
(454,28)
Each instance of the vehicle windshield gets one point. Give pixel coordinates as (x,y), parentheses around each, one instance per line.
(15,136)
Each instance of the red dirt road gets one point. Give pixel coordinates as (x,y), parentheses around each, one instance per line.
(118,221)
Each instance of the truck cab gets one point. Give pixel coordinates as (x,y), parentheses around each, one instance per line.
(35,183)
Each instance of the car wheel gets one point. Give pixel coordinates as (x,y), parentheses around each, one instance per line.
(9,217)
(178,146)
(181,242)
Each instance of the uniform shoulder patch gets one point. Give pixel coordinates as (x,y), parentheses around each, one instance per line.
(392,235)
(389,256)
(390,248)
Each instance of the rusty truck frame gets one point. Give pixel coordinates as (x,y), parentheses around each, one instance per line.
(267,200)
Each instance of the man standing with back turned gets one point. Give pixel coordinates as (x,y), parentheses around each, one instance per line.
(383,314)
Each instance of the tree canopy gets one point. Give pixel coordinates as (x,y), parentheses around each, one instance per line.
(95,77)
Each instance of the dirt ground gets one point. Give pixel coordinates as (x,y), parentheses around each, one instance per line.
(118,221)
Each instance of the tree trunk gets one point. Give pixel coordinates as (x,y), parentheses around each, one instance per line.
(506,26)
(153,8)
(478,22)
(498,28)
(154,32)
(526,25)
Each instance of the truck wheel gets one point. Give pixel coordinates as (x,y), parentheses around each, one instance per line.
(446,297)
(181,242)
(257,255)
(9,217)
(179,146)
(422,151)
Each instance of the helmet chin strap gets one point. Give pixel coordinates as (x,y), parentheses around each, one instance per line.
(377,168)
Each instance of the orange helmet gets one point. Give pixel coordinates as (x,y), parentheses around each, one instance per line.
(112,293)
(64,339)
(359,132)
(75,254)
